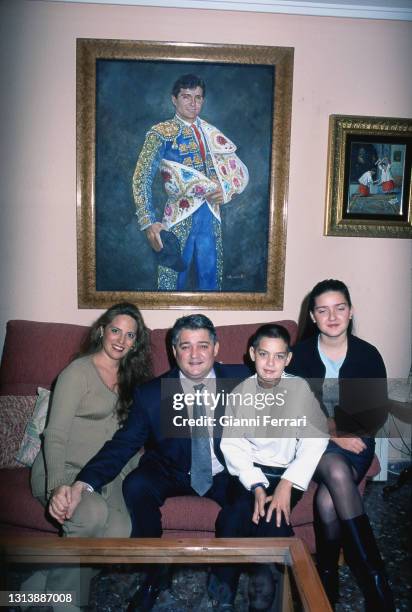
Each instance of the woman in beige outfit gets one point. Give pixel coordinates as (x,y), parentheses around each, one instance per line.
(90,402)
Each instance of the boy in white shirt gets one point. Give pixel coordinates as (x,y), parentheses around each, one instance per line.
(275,436)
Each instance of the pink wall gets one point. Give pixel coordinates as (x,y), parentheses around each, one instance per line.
(334,73)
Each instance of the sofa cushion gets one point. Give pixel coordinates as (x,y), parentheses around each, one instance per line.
(189,511)
(161,360)
(14,415)
(35,353)
(22,510)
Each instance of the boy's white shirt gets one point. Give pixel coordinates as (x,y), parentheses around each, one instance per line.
(299,455)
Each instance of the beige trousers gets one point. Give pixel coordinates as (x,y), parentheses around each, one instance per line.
(96,516)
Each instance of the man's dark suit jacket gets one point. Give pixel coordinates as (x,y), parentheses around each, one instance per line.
(146,426)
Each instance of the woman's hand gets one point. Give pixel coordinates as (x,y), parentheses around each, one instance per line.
(354,445)
(59,503)
(64,501)
(280,501)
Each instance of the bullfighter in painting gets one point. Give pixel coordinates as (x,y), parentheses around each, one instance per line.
(200,172)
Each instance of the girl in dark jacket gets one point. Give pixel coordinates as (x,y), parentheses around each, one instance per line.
(348,377)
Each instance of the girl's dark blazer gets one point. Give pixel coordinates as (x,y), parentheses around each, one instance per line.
(363,393)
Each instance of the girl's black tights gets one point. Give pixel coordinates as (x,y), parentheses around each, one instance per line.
(337,497)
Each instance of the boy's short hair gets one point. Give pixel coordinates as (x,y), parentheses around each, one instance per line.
(270,330)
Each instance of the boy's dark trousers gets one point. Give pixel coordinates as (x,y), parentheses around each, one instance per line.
(235,521)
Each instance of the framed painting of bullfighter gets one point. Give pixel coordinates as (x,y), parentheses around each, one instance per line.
(182,165)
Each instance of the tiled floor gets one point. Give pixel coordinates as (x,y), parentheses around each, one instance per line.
(391,521)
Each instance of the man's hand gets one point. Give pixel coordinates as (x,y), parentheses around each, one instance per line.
(153,235)
(280,501)
(216,196)
(64,500)
(260,501)
(354,445)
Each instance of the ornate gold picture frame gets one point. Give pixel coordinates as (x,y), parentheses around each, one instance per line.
(123,94)
(369,177)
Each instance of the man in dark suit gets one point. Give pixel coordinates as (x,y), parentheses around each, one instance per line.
(177,461)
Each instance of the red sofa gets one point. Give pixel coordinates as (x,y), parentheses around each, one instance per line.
(34,354)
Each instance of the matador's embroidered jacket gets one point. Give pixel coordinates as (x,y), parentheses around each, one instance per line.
(172,148)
